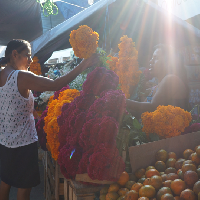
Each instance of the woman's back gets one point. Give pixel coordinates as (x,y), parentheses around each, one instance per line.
(17,121)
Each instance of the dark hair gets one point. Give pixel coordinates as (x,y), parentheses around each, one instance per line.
(15,44)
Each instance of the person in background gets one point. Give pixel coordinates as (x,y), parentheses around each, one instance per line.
(172,89)
(18,136)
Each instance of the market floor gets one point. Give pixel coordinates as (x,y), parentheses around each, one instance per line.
(37,193)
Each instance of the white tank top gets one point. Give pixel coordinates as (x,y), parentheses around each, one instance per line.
(17,125)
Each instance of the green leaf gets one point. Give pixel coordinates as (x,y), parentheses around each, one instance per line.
(136,124)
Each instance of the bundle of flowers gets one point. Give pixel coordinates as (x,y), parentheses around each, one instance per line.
(40,124)
(166,121)
(126,67)
(35,66)
(84,41)
(51,127)
(88,129)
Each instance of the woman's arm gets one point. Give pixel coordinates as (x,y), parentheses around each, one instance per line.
(27,80)
(170,87)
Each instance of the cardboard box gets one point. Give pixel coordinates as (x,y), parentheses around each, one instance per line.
(143,155)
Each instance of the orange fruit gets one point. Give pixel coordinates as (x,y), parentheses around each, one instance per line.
(188,162)
(178,186)
(147,191)
(190,178)
(172,155)
(170,170)
(151,172)
(161,173)
(164,177)
(167,197)
(198,172)
(112,196)
(129,184)
(181,175)
(196,187)
(131,195)
(179,171)
(136,187)
(170,163)
(167,183)
(103,197)
(187,153)
(196,147)
(156,182)
(160,166)
(150,167)
(162,191)
(177,198)
(147,181)
(141,180)
(172,176)
(161,155)
(123,179)
(139,173)
(179,163)
(188,167)
(143,198)
(122,191)
(187,194)
(114,187)
(120,198)
(195,158)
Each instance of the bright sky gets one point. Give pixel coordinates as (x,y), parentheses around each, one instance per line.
(183,9)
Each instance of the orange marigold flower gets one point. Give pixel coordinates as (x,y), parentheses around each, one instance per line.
(35,66)
(166,121)
(126,67)
(84,41)
(51,127)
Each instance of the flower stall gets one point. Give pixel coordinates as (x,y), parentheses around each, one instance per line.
(91,139)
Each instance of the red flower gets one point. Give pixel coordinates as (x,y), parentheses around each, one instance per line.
(105,164)
(40,131)
(69,161)
(84,162)
(99,80)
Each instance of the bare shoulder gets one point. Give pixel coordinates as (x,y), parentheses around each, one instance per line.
(171,80)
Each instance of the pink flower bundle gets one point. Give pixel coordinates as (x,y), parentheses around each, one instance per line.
(90,125)
(40,131)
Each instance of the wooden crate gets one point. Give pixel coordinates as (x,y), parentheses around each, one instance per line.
(74,190)
(53,179)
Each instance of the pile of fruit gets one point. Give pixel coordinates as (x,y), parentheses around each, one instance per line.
(169,179)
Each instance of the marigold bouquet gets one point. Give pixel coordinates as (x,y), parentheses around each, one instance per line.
(126,66)
(35,66)
(84,41)
(166,121)
(51,127)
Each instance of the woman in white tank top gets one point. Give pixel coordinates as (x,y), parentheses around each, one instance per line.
(17,127)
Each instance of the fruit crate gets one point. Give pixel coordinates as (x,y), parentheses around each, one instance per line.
(53,179)
(143,155)
(75,190)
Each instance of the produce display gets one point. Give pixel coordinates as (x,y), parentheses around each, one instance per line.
(171,178)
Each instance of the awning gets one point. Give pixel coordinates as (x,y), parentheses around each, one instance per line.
(144,21)
(19,19)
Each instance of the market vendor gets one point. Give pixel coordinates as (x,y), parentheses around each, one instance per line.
(172,89)
(18,136)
